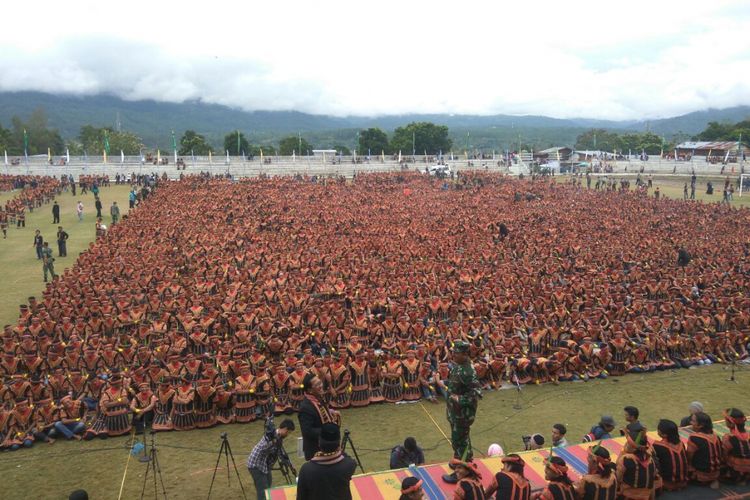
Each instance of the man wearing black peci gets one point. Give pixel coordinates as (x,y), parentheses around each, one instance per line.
(313,413)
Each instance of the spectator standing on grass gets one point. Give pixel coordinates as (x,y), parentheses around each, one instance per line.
(79,210)
(98,206)
(114,211)
(38,244)
(403,456)
(62,242)
(55,213)
(131,198)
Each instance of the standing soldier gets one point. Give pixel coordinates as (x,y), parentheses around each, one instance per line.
(48,261)
(463,396)
(114,211)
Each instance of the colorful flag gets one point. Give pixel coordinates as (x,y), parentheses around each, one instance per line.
(106,142)
(174,146)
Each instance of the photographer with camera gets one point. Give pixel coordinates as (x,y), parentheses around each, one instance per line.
(266,453)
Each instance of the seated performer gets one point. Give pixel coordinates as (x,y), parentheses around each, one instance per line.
(704,451)
(636,469)
(672,457)
(601,481)
(559,486)
(736,446)
(469,485)
(510,483)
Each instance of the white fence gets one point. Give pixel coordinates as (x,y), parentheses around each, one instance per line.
(315,165)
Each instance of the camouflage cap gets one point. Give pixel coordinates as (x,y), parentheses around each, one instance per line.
(460,346)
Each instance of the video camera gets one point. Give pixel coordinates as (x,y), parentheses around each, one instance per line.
(532,442)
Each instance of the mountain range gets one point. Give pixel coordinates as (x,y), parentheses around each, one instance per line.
(153,122)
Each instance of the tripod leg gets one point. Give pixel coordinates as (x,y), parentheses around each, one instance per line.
(216,467)
(354,450)
(226,456)
(145,477)
(157,468)
(153,461)
(239,479)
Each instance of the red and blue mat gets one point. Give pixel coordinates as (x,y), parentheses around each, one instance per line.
(386,485)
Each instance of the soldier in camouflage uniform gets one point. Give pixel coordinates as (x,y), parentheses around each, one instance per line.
(463,396)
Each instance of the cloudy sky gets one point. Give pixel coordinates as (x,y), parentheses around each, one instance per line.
(577,58)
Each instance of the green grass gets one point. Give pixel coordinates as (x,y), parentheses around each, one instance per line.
(187,459)
(671,187)
(20,271)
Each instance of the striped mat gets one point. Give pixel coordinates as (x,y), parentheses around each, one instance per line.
(386,485)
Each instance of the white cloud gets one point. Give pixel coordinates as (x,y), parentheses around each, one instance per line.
(635,59)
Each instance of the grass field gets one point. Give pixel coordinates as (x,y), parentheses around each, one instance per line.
(187,459)
(20,271)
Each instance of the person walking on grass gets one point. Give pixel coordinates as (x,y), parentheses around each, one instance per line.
(48,261)
(79,211)
(98,205)
(38,243)
(62,242)
(55,213)
(114,211)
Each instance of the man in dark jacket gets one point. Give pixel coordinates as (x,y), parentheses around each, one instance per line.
(409,453)
(313,413)
(55,213)
(328,474)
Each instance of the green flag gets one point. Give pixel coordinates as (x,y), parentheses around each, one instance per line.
(106,142)
(174,141)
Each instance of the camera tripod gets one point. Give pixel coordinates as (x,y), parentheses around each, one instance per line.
(153,463)
(286,467)
(226,450)
(348,440)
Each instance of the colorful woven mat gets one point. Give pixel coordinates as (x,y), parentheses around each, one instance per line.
(386,485)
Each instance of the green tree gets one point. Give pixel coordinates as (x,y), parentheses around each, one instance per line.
(91,140)
(192,142)
(230,143)
(373,140)
(40,137)
(598,140)
(294,143)
(421,137)
(267,150)
(346,151)
(6,139)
